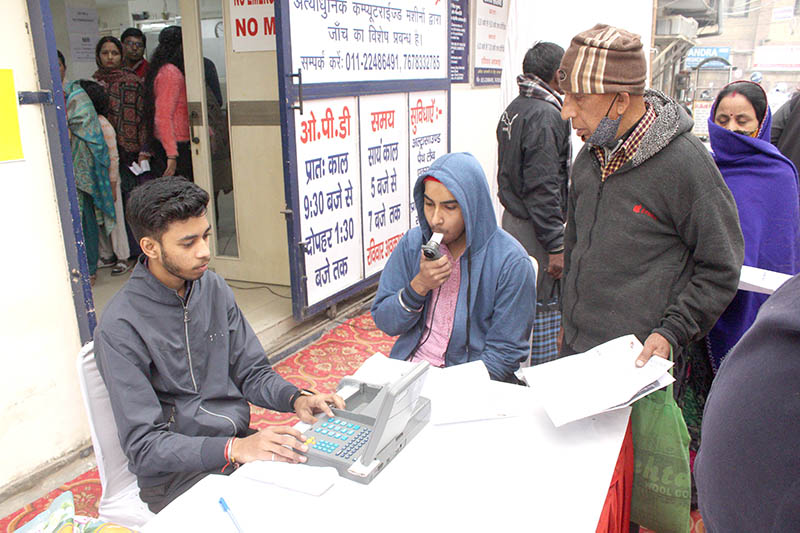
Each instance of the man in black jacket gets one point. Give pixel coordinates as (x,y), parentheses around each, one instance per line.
(180,360)
(786,128)
(533,148)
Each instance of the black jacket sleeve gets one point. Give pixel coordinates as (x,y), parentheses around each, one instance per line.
(541,146)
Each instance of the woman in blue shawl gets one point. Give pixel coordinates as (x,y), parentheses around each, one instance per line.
(764,184)
(90,162)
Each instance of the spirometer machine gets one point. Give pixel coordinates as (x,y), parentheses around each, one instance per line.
(378,423)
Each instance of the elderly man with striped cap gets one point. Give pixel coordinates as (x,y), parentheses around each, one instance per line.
(652,244)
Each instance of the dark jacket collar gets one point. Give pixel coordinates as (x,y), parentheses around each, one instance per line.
(153,288)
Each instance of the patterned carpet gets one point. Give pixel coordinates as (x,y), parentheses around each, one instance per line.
(320,366)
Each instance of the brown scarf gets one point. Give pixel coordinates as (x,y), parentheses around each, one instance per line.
(126,109)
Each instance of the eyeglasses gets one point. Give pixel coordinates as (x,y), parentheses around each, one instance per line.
(134,44)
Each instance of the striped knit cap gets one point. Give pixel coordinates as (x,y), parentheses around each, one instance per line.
(603,60)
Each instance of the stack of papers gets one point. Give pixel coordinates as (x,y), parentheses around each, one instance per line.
(760,280)
(602,379)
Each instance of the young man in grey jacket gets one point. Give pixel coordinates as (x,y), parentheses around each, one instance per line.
(180,360)
(653,245)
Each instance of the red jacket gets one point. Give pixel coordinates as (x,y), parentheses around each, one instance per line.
(171,113)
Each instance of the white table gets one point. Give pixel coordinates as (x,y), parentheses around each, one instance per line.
(508,474)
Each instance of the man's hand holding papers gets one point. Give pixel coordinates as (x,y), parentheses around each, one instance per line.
(601,379)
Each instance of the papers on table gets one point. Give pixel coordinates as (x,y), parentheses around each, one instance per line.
(300,478)
(602,379)
(760,280)
(461,393)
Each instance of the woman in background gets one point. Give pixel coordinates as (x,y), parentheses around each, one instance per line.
(90,163)
(167,109)
(114,247)
(765,187)
(126,112)
(764,184)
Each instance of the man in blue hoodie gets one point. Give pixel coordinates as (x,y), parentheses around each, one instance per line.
(474,302)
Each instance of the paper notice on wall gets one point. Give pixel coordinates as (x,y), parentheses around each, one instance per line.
(252,25)
(82,27)
(491,25)
(10,139)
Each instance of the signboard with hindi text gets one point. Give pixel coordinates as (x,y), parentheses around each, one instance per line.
(346,40)
(491,26)
(428,120)
(327,154)
(384,171)
(364,102)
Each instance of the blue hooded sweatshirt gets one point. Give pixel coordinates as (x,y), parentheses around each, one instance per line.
(497,293)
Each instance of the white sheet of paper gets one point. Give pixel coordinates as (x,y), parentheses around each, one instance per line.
(592,382)
(379,369)
(760,280)
(460,393)
(313,480)
(145,165)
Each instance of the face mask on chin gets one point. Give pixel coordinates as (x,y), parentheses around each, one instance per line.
(605,134)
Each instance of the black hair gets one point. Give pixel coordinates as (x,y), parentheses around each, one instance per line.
(134,32)
(752,91)
(169,50)
(154,205)
(543,60)
(101,42)
(98,95)
(61,58)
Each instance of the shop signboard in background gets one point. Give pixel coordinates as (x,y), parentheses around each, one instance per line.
(459,41)
(82,27)
(777,58)
(491,19)
(345,41)
(697,54)
(252,25)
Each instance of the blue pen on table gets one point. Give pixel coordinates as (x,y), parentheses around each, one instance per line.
(230,513)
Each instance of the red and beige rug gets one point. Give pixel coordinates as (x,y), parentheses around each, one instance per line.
(319,366)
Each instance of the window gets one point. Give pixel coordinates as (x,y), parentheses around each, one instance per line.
(740,8)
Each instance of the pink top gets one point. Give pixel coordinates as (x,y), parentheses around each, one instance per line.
(436,335)
(172,111)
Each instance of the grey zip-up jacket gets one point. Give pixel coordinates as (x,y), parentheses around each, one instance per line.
(657,247)
(180,374)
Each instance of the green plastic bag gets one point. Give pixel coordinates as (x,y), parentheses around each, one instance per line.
(662,490)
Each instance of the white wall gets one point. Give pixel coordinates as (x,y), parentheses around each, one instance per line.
(154,7)
(75,69)
(114,19)
(475,112)
(41,412)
